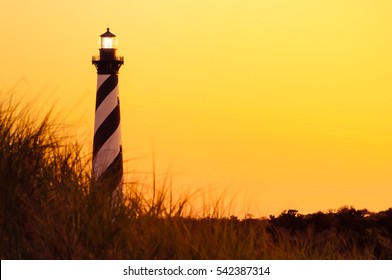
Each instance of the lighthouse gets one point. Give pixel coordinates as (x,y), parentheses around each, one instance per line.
(107,168)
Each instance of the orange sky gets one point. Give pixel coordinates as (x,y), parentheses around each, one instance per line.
(277,104)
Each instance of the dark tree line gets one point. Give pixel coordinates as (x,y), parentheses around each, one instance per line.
(359,227)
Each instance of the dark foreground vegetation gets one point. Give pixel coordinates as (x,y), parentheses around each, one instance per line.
(47,211)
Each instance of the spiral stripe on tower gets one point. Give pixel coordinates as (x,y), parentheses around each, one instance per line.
(107,151)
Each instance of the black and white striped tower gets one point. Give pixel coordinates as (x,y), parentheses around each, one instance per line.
(107,150)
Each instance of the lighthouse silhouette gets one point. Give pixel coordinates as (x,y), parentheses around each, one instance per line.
(107,168)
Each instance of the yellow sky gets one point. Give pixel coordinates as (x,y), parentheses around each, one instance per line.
(279,104)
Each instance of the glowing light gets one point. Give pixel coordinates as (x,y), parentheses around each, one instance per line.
(107,43)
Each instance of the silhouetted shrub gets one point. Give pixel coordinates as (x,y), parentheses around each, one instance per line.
(289,220)
(320,221)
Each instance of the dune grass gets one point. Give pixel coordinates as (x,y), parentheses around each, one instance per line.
(48,211)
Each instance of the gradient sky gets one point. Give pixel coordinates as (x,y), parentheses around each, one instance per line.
(276,104)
